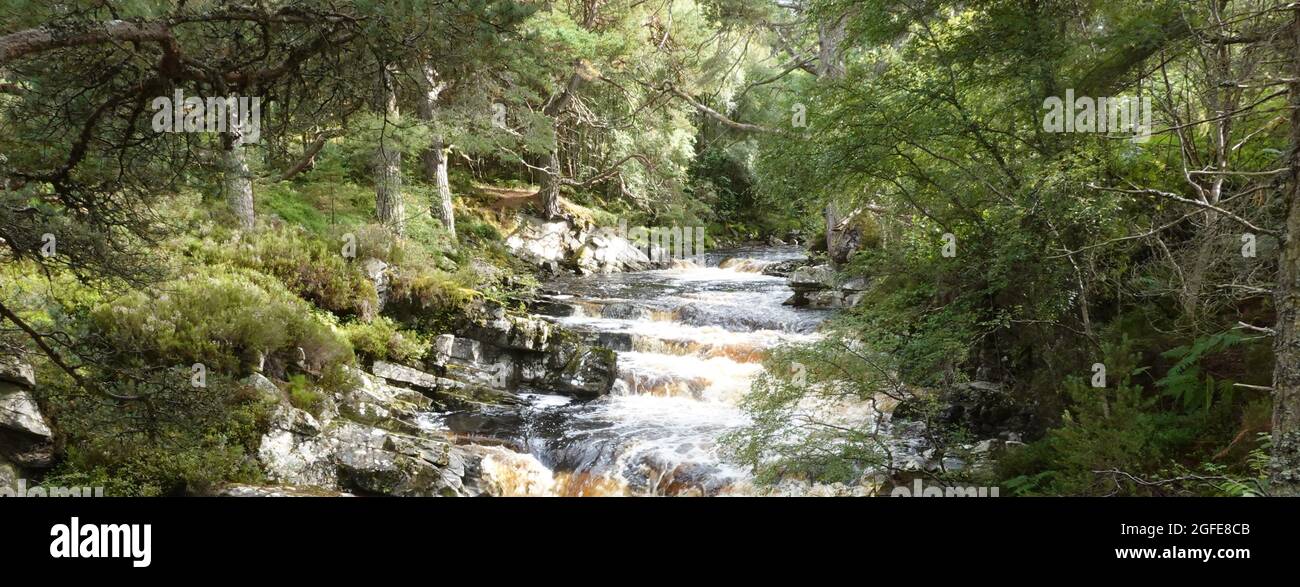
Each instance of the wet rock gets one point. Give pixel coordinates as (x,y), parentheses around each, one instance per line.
(784,268)
(580,370)
(501,472)
(494,425)
(711,315)
(812,278)
(551,307)
(497,350)
(619,341)
(624,311)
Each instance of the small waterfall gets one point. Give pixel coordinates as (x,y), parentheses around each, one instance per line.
(506,473)
(690,341)
(744,264)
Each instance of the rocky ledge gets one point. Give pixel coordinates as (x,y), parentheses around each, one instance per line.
(26,442)
(818,286)
(573,245)
(376,438)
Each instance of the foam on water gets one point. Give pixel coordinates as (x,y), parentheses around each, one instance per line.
(690,339)
(696,335)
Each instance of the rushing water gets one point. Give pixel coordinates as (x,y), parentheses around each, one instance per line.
(689,340)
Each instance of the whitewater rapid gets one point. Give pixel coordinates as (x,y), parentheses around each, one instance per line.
(690,341)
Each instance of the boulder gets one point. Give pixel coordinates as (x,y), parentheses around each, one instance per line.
(609,253)
(492,324)
(376,461)
(831,299)
(783,268)
(858,283)
(500,472)
(294,452)
(373,402)
(556,243)
(541,242)
(19,412)
(14,370)
(812,278)
(580,370)
(265,388)
(819,287)
(25,436)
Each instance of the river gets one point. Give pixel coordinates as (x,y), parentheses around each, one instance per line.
(690,340)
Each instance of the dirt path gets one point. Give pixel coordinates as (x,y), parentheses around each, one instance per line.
(509,198)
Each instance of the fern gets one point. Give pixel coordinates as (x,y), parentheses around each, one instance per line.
(1184,382)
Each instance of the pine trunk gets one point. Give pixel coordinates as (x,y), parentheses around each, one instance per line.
(550,192)
(436,165)
(238,180)
(434,158)
(389,206)
(1285,469)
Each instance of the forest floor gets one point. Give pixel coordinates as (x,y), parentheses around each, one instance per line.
(508,198)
